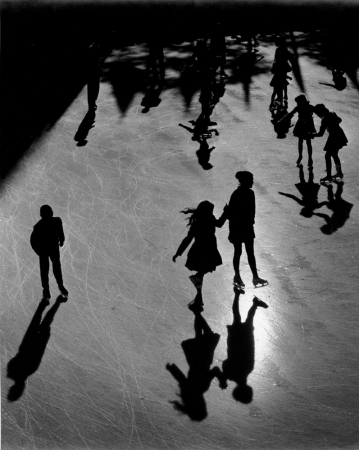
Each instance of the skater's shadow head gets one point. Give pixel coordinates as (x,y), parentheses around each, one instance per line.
(31,350)
(84,128)
(243,393)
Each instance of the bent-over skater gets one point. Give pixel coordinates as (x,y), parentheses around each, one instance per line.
(46,239)
(335,141)
(240,213)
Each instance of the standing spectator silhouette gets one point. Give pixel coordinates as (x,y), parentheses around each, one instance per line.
(203,256)
(45,240)
(240,350)
(93,81)
(240,213)
(335,141)
(304,129)
(279,70)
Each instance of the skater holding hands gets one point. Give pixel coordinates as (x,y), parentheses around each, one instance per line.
(336,140)
(304,129)
(203,256)
(240,213)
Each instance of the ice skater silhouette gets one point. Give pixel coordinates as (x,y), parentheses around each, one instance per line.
(240,350)
(32,349)
(47,236)
(93,81)
(309,191)
(240,213)
(335,141)
(218,49)
(199,353)
(156,61)
(280,69)
(203,256)
(340,207)
(84,128)
(304,129)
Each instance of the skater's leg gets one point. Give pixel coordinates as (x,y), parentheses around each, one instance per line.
(338,165)
(300,150)
(56,267)
(310,152)
(44,273)
(235,308)
(328,164)
(236,262)
(249,244)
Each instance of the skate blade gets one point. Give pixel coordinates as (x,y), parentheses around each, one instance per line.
(259,285)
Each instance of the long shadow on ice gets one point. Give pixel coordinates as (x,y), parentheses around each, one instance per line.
(199,353)
(32,349)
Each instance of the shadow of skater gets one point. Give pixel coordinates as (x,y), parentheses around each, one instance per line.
(309,191)
(152,97)
(340,207)
(283,126)
(32,348)
(240,350)
(199,353)
(204,153)
(246,63)
(94,75)
(84,128)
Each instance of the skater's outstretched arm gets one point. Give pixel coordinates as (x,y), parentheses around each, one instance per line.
(293,197)
(220,222)
(176,373)
(288,115)
(183,245)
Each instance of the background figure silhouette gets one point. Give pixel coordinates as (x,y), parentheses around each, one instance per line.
(203,256)
(93,82)
(309,191)
(240,213)
(335,141)
(218,49)
(84,128)
(199,353)
(280,69)
(156,60)
(47,236)
(340,207)
(240,349)
(31,350)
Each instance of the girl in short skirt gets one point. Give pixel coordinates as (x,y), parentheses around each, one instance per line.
(203,256)
(304,129)
(335,141)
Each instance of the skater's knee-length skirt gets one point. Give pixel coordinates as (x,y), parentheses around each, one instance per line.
(204,256)
(304,128)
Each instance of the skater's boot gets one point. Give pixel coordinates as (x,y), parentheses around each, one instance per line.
(259,281)
(64,291)
(258,302)
(339,173)
(310,162)
(237,281)
(326,179)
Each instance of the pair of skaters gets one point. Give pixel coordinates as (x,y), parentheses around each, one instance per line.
(305,130)
(203,256)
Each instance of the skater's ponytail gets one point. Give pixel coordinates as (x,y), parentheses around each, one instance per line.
(203,209)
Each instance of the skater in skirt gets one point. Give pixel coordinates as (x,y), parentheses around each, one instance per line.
(304,129)
(280,69)
(335,141)
(203,256)
(240,213)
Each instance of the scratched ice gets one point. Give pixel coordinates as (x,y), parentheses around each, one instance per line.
(101,381)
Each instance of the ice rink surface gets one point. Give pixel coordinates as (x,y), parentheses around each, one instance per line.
(95,367)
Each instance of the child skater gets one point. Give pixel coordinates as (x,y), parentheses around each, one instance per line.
(335,141)
(203,256)
(304,129)
(280,69)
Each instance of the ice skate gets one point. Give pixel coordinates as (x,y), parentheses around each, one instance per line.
(64,291)
(259,282)
(238,282)
(259,302)
(327,179)
(339,175)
